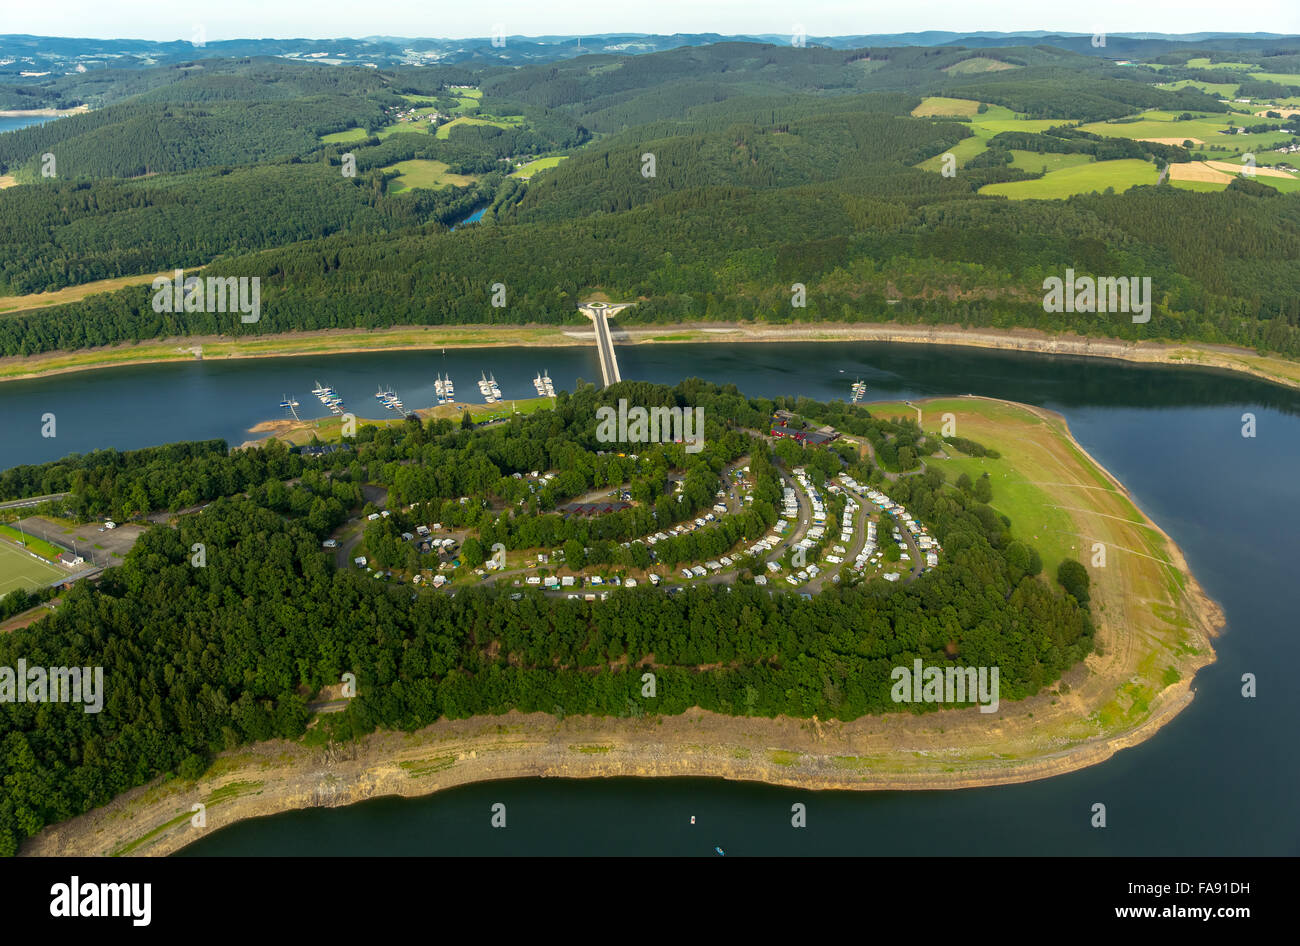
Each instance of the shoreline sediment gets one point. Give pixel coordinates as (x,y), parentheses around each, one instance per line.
(328,342)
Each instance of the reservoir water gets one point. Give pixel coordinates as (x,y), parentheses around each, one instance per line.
(1218,780)
(14,122)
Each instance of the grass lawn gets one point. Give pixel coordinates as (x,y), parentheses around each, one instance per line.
(1081,179)
(33,544)
(338,137)
(431,175)
(19,570)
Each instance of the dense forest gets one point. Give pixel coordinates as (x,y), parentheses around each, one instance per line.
(772,166)
(197,660)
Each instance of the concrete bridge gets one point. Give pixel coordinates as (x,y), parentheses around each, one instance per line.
(599,313)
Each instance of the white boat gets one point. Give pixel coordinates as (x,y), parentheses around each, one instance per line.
(548,389)
(492,383)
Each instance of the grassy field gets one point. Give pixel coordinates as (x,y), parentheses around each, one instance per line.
(962,152)
(541,164)
(1281,78)
(996,120)
(1081,179)
(32,543)
(340,137)
(1223,90)
(1209,129)
(1034,162)
(1203,62)
(431,175)
(977,65)
(940,105)
(20,570)
(404,128)
(444,131)
(40,300)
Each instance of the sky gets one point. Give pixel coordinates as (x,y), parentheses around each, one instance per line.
(241,19)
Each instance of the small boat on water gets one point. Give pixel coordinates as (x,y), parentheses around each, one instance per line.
(485,389)
(720,851)
(548,388)
(492,383)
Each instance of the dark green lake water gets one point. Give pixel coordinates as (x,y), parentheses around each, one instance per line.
(1220,779)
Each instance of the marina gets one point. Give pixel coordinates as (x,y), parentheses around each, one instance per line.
(329,398)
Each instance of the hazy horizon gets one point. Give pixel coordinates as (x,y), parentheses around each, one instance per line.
(161,21)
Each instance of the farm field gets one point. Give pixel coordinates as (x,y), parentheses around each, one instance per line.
(1281,78)
(963,151)
(1095,176)
(1203,62)
(939,105)
(1034,162)
(432,175)
(20,570)
(1162,126)
(444,131)
(977,65)
(341,137)
(1216,175)
(1222,89)
(994,121)
(404,128)
(541,164)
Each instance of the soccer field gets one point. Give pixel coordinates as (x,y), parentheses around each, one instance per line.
(20,570)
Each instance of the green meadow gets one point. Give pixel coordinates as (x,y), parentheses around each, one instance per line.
(541,164)
(427,174)
(342,137)
(1034,162)
(1081,179)
(444,131)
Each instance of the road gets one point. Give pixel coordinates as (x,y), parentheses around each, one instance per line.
(31,501)
(605,347)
